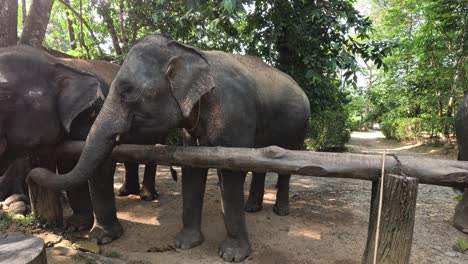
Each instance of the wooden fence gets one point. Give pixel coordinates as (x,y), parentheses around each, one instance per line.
(392,213)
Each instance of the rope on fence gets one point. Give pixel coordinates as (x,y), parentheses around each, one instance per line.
(379,212)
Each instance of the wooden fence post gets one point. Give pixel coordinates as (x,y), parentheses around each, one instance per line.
(45,204)
(397,220)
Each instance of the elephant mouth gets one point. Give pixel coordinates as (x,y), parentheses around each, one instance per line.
(3,145)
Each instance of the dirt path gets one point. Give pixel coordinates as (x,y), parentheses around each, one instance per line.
(327,224)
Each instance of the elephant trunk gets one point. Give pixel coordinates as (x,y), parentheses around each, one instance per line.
(112,120)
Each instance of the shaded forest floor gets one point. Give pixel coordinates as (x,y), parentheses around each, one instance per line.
(327,224)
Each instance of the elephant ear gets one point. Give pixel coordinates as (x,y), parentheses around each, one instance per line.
(77,91)
(190,77)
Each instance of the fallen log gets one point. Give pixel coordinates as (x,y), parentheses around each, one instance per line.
(275,159)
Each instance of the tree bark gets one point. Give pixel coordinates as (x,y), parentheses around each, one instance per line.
(16,248)
(8,22)
(397,220)
(36,23)
(275,159)
(105,12)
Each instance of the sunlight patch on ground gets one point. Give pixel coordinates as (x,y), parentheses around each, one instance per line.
(142,220)
(367,135)
(312,234)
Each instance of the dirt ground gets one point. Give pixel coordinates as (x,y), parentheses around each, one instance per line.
(327,224)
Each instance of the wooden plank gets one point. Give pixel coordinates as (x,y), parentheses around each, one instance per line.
(274,159)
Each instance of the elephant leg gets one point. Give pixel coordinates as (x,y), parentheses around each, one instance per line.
(193,190)
(282,195)
(236,246)
(79,200)
(257,189)
(148,189)
(460,219)
(106,226)
(131,183)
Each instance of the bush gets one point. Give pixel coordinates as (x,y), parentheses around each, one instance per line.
(329,130)
(417,128)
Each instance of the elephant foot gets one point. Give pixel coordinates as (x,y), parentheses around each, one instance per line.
(79,222)
(253,205)
(281,209)
(148,195)
(105,234)
(460,221)
(189,238)
(126,190)
(460,218)
(234,250)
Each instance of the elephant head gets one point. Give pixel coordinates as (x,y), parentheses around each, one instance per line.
(39,98)
(156,88)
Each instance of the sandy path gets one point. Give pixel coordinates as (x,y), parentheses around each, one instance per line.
(327,224)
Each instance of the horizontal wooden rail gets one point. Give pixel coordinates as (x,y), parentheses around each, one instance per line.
(275,159)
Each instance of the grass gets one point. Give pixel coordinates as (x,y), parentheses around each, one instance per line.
(461,245)
(21,224)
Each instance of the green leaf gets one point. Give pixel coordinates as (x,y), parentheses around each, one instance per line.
(229,5)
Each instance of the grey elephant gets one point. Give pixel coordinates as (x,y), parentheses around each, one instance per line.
(221,99)
(460,219)
(45,100)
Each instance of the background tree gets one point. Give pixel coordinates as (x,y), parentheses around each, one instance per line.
(316,42)
(426,74)
(36,23)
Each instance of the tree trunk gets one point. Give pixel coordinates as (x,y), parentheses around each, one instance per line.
(71,31)
(275,159)
(36,23)
(123,32)
(396,222)
(17,248)
(105,12)
(8,22)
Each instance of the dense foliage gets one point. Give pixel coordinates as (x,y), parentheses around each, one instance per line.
(425,79)
(316,42)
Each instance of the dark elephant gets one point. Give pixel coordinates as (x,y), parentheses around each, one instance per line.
(45,100)
(460,219)
(220,99)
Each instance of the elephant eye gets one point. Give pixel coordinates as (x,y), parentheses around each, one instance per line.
(129,93)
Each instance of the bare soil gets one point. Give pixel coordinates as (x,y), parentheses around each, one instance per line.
(327,224)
